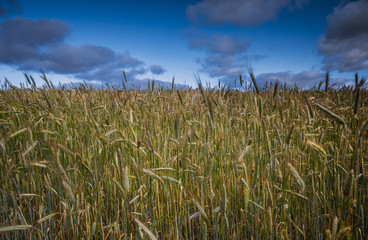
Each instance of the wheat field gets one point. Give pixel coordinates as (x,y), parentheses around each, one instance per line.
(269,163)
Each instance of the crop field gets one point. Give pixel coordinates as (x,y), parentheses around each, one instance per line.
(271,163)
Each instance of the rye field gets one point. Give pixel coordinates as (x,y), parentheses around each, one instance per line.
(270,163)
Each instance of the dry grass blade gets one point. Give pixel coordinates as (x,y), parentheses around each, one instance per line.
(317,147)
(134,199)
(118,185)
(36,164)
(200,209)
(70,191)
(297,194)
(67,151)
(343,232)
(125,77)
(18,132)
(257,205)
(149,233)
(170,179)
(327,81)
(241,157)
(151,174)
(296,175)
(202,93)
(126,179)
(47,217)
(194,215)
(331,114)
(15,228)
(362,130)
(28,195)
(254,82)
(356,102)
(180,97)
(348,183)
(142,101)
(288,137)
(275,89)
(110,132)
(29,149)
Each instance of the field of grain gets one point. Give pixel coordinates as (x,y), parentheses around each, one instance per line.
(272,163)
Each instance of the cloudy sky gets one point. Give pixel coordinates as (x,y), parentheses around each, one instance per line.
(292,41)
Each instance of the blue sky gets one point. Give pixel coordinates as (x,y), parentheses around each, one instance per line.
(291,41)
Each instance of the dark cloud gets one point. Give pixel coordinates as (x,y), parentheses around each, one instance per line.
(21,38)
(8,7)
(66,58)
(40,44)
(225,56)
(157,69)
(345,42)
(238,12)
